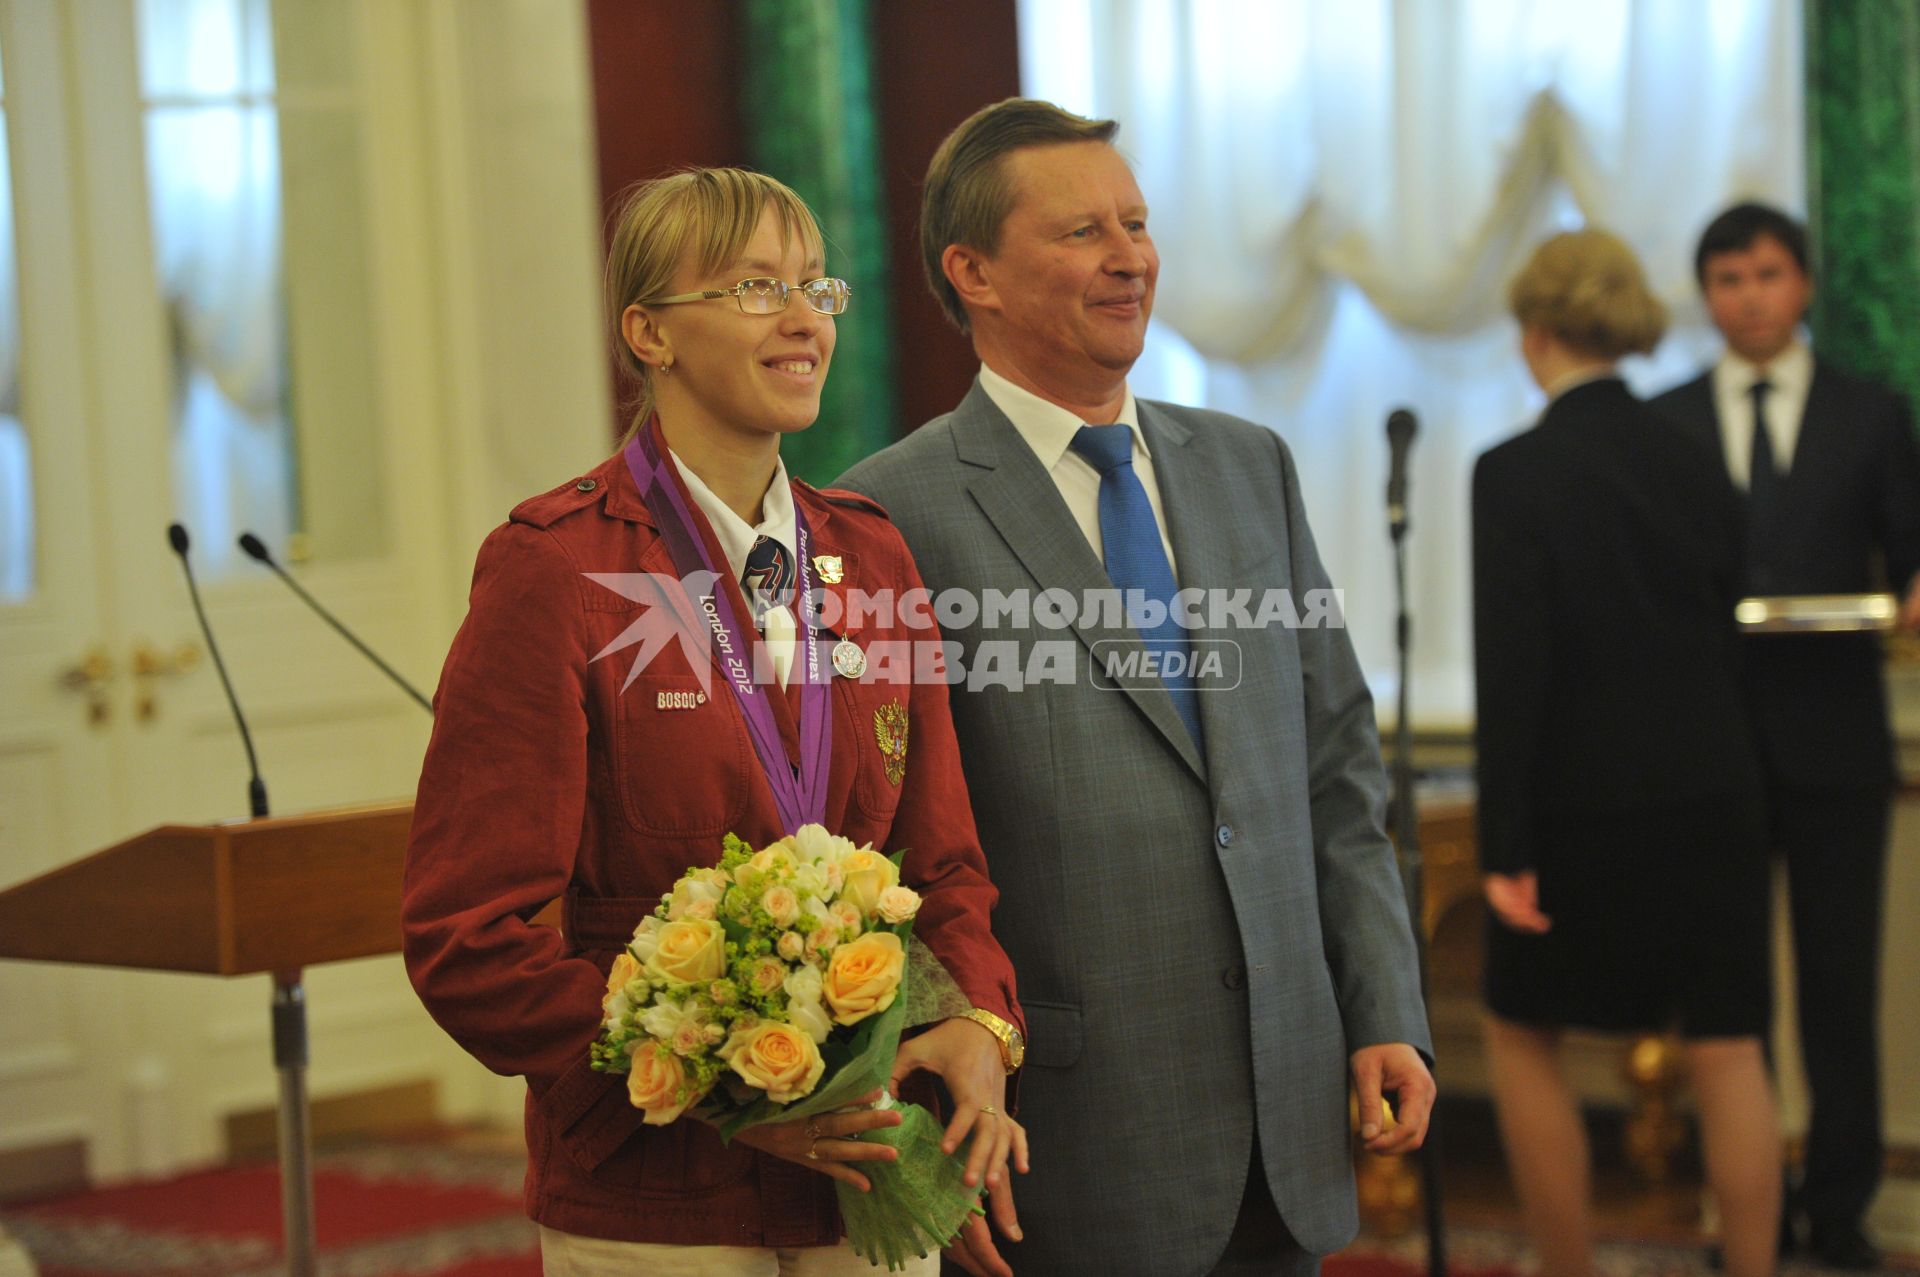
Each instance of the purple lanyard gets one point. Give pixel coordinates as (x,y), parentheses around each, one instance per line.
(799,792)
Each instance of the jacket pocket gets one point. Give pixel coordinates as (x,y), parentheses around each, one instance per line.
(683,757)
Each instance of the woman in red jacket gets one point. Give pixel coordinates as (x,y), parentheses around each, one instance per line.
(587,748)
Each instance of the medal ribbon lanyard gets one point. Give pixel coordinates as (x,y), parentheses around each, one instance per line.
(799,790)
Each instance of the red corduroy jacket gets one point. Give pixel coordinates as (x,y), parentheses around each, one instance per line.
(546,780)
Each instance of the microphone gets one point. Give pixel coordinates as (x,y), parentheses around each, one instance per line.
(256,550)
(256,788)
(1401,427)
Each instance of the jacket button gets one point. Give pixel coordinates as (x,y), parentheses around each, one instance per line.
(1224,835)
(1234,978)
(587,485)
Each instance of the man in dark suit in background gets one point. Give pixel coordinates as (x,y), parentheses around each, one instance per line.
(1831,476)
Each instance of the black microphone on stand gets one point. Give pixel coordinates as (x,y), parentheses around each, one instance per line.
(1401,428)
(257,550)
(256,788)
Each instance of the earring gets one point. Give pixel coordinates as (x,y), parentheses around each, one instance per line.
(666,365)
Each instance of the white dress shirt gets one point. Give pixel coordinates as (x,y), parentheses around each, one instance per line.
(736,539)
(1049,429)
(1790,374)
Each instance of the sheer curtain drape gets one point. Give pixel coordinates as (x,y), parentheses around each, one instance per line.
(213,173)
(16,462)
(1340,188)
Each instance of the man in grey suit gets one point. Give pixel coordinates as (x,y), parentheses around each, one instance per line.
(1196,887)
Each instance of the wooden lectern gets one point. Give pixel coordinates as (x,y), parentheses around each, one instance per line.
(273,895)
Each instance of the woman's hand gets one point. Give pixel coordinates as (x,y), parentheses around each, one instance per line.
(829,1142)
(1516,900)
(967,1058)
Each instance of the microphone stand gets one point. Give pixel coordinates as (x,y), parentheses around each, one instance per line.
(1406,833)
(290,1055)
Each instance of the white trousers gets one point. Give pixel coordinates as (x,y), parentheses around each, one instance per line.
(565,1255)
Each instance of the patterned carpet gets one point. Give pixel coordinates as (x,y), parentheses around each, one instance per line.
(389,1210)
(425,1209)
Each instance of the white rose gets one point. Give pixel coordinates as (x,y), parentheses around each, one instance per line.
(810,880)
(646,938)
(811,1018)
(803,983)
(662,1020)
(815,844)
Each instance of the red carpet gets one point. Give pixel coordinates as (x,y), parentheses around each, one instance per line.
(428,1210)
(395,1210)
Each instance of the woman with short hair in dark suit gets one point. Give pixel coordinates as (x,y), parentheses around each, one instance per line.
(1621,825)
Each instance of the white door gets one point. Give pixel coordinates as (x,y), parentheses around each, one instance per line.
(175,362)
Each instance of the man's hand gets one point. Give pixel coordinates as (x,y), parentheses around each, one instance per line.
(1394,1067)
(1910,608)
(1516,900)
(827,1143)
(967,1057)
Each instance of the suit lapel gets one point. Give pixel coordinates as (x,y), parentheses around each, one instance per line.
(1203,558)
(1816,419)
(1019,498)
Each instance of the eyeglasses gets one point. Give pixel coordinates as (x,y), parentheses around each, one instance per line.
(770,296)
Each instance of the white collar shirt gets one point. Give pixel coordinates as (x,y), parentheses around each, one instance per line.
(1791,376)
(737,539)
(1048,430)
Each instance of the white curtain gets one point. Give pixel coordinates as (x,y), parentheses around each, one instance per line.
(16,462)
(1340,188)
(213,172)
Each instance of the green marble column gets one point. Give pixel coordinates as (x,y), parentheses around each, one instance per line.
(807,80)
(1863,185)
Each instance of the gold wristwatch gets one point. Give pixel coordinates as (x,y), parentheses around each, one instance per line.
(1013,1047)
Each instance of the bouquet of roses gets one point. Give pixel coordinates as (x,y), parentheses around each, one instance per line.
(773,987)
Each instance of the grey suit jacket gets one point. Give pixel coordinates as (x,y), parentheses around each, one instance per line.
(1200,943)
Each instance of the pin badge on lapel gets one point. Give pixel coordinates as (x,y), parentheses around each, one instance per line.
(830,568)
(890,730)
(848,660)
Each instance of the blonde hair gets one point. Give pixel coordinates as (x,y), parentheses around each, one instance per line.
(967,196)
(1586,288)
(705,216)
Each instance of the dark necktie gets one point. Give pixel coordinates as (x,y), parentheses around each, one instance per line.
(1136,559)
(767,581)
(767,577)
(1763,479)
(1764,484)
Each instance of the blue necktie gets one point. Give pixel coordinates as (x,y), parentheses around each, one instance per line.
(1136,559)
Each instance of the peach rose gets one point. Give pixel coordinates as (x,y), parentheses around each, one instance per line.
(781,904)
(656,1081)
(792,945)
(766,975)
(846,915)
(864,975)
(898,904)
(778,858)
(780,1060)
(625,968)
(691,951)
(866,874)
